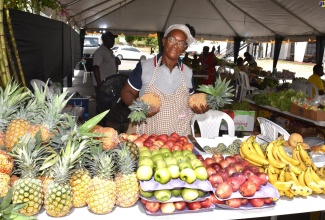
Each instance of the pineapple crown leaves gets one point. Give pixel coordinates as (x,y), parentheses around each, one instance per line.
(219,94)
(139,110)
(62,165)
(8,210)
(126,163)
(29,154)
(101,162)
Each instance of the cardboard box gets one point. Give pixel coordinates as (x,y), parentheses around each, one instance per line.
(80,102)
(317,115)
(304,132)
(244,120)
(296,110)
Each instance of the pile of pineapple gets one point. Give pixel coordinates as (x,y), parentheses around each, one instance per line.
(50,161)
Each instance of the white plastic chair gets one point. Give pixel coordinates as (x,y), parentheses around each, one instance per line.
(311,90)
(246,88)
(41,85)
(271,130)
(209,123)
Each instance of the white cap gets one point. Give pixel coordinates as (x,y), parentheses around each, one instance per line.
(184,28)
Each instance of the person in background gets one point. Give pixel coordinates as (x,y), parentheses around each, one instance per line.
(250,60)
(117,63)
(315,79)
(208,62)
(172,81)
(195,62)
(104,62)
(241,66)
(186,60)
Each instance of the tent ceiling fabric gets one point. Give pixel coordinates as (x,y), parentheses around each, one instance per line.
(298,20)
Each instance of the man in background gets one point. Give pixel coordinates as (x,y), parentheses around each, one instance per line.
(315,79)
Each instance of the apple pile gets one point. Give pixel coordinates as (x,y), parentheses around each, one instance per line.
(173,141)
(235,180)
(164,165)
(173,207)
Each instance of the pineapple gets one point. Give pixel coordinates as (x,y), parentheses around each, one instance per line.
(13,179)
(109,137)
(79,181)
(127,185)
(58,195)
(6,162)
(11,99)
(214,96)
(28,154)
(101,196)
(133,149)
(4,184)
(145,106)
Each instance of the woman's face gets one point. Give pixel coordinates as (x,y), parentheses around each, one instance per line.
(174,44)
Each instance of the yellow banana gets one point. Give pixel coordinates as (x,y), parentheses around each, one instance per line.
(250,155)
(281,176)
(295,169)
(296,189)
(284,155)
(294,178)
(287,175)
(280,185)
(306,191)
(304,155)
(316,178)
(281,192)
(269,155)
(301,178)
(311,183)
(250,143)
(289,194)
(252,162)
(258,148)
(273,177)
(296,155)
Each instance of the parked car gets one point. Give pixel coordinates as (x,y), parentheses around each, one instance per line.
(129,53)
(91,43)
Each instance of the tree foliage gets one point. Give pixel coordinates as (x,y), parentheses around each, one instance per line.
(32,6)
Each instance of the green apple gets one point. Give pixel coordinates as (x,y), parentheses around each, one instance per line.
(188,175)
(174,171)
(190,156)
(201,193)
(176,192)
(162,195)
(143,148)
(201,173)
(176,153)
(183,165)
(190,194)
(162,175)
(146,194)
(167,154)
(158,164)
(157,157)
(180,158)
(164,150)
(196,163)
(185,152)
(146,153)
(171,160)
(154,152)
(144,172)
(145,161)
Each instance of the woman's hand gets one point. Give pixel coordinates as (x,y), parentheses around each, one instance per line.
(200,110)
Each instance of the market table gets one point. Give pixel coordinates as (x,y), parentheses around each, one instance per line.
(284,206)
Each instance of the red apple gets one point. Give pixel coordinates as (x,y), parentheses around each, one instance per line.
(230,159)
(247,189)
(147,143)
(143,201)
(152,138)
(233,203)
(216,166)
(145,136)
(200,157)
(172,139)
(188,146)
(218,157)
(244,201)
(257,202)
(239,166)
(238,157)
(165,146)
(215,179)
(179,142)
(247,172)
(176,147)
(163,137)
(174,134)
(209,160)
(183,138)
(205,203)
(255,169)
(210,170)
(224,163)
(231,170)
(242,178)
(246,163)
(167,207)
(204,163)
(170,143)
(224,174)
(152,207)
(132,137)
(268,200)
(193,205)
(224,190)
(154,147)
(264,177)
(234,182)
(215,200)
(158,143)
(180,205)
(256,180)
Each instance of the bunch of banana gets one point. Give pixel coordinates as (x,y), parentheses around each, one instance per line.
(251,151)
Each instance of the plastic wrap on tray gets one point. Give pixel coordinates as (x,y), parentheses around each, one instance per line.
(177,199)
(152,185)
(247,206)
(186,210)
(265,191)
